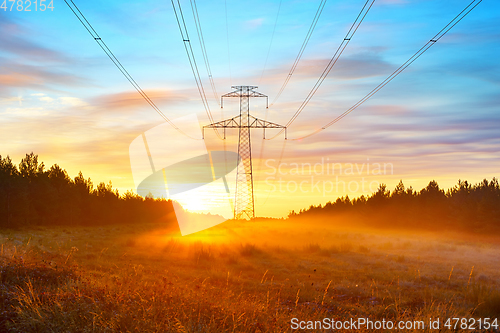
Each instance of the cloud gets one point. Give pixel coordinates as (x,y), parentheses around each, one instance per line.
(6,24)
(100,152)
(8,100)
(254,24)
(353,67)
(26,64)
(28,50)
(357,66)
(391,2)
(402,133)
(46,99)
(131,100)
(14,75)
(386,110)
(72,101)
(23,112)
(13,41)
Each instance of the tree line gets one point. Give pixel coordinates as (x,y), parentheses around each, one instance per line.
(465,207)
(30,194)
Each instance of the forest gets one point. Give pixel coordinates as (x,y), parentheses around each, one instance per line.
(32,195)
(465,207)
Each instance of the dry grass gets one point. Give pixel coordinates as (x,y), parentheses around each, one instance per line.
(238,277)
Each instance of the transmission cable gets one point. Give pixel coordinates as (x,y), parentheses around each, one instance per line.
(296,62)
(83,20)
(414,57)
(262,74)
(228,52)
(302,48)
(192,61)
(203,49)
(354,27)
(271,42)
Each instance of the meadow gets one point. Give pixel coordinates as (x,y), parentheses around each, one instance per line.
(241,277)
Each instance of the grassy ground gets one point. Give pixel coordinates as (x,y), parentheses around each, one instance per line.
(239,277)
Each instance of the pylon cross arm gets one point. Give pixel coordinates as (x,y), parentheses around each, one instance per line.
(228,123)
(235,123)
(260,123)
(244,201)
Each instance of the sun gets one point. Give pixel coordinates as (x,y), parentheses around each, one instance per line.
(209,198)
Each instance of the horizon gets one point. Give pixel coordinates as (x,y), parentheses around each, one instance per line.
(63,99)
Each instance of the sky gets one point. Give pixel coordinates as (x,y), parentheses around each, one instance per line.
(63,99)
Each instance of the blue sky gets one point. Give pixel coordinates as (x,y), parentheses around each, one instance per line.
(62,98)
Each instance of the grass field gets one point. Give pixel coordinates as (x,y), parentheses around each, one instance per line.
(240,277)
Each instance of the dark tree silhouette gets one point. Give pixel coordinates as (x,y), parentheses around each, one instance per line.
(465,207)
(32,195)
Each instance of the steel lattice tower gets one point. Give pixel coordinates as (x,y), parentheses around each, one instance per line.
(244,202)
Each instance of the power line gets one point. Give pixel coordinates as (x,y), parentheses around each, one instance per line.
(262,74)
(83,20)
(302,48)
(401,68)
(203,49)
(271,42)
(354,27)
(297,59)
(228,52)
(192,61)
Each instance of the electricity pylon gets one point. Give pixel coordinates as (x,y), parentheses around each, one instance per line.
(244,204)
